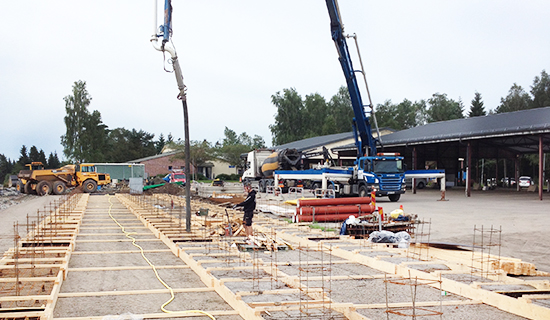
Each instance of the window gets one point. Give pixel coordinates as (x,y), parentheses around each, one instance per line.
(169,167)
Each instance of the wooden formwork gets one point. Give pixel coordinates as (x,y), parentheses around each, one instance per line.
(31,272)
(302,293)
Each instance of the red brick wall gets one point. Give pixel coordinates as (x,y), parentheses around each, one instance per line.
(161,165)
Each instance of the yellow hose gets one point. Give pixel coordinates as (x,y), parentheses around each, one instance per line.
(128,235)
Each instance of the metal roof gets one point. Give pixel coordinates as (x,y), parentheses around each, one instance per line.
(162,155)
(525,122)
(315,142)
(514,130)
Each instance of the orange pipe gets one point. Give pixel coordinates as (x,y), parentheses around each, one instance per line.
(333,201)
(364,208)
(324,218)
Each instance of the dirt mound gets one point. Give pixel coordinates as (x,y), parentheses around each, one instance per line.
(226,198)
(168,188)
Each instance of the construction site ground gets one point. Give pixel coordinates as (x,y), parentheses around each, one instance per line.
(321,276)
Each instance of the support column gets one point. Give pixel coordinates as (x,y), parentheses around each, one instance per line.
(541,167)
(415,160)
(516,171)
(469,169)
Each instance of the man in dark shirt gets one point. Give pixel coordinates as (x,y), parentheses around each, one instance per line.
(249,204)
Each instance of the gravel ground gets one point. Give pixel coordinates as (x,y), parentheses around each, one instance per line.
(450,223)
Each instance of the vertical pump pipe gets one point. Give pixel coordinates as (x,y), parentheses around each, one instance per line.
(165,46)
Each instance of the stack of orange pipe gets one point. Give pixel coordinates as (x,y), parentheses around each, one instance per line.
(332,210)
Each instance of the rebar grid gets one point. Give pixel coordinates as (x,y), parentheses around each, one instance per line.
(304,268)
(485,264)
(413,311)
(421,245)
(23,258)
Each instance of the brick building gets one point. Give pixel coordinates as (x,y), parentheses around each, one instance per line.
(162,164)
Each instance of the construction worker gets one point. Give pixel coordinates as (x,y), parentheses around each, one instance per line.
(249,204)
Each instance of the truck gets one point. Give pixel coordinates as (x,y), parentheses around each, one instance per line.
(381,173)
(37,180)
(262,163)
(176,176)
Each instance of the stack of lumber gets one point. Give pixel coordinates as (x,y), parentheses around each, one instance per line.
(331,210)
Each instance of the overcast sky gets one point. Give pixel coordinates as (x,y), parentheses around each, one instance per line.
(236,54)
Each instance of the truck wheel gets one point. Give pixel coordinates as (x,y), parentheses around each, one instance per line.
(59,188)
(44,188)
(20,187)
(28,188)
(89,186)
(316,185)
(394,197)
(363,192)
(420,185)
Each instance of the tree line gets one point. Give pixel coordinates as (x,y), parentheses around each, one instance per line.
(88,139)
(297,118)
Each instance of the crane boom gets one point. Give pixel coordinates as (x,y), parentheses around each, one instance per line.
(362,128)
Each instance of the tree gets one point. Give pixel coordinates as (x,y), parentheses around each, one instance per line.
(314,114)
(340,113)
(402,116)
(125,145)
(76,107)
(200,152)
(161,142)
(289,117)
(42,157)
(540,90)
(233,145)
(516,100)
(443,109)
(53,161)
(477,109)
(34,155)
(23,158)
(94,139)
(5,167)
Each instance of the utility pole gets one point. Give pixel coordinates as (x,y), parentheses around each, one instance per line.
(164,32)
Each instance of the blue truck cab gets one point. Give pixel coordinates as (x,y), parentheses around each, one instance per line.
(383,174)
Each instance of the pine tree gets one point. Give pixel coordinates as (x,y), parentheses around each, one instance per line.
(477,109)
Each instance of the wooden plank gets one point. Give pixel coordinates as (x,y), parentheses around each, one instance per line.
(418,304)
(132,292)
(126,268)
(120,251)
(175,314)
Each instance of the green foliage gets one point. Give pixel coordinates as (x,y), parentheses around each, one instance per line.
(126,145)
(160,143)
(76,107)
(442,108)
(34,154)
(233,145)
(6,166)
(53,161)
(516,100)
(228,177)
(540,90)
(402,116)
(23,158)
(298,118)
(476,109)
(200,152)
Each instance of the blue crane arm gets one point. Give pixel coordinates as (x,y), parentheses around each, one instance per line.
(362,127)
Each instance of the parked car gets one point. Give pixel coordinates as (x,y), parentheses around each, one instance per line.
(525,182)
(420,183)
(508,182)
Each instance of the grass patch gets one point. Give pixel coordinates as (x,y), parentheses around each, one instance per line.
(316,225)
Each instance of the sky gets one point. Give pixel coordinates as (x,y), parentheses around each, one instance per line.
(236,54)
